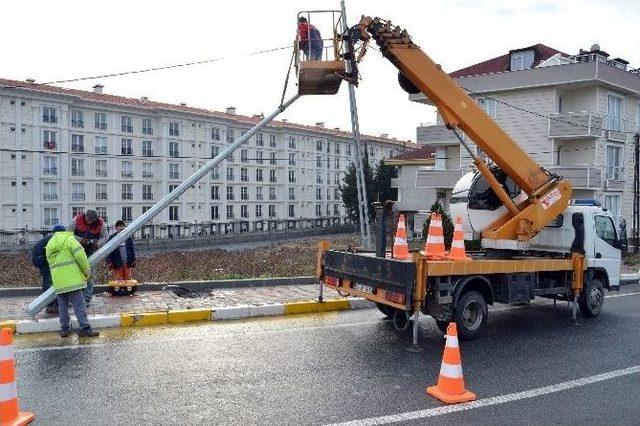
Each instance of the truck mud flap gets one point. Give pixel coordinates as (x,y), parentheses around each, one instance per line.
(380,273)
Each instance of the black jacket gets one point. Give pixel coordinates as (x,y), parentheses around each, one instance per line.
(114,258)
(38,253)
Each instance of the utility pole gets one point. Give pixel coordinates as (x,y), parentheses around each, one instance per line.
(636,192)
(363,202)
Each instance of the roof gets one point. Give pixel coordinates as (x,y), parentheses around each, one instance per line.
(503,63)
(153,106)
(420,156)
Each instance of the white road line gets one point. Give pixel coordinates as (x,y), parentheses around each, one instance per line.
(487,402)
(612,296)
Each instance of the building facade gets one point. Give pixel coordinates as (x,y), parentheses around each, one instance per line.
(63,151)
(575,115)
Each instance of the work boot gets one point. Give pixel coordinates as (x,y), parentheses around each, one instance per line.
(65,332)
(88,333)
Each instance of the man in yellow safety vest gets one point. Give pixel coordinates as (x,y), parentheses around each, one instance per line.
(69,273)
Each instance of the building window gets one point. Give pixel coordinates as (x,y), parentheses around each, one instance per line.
(174,213)
(230,195)
(102,213)
(50,191)
(229,212)
(488,105)
(101,192)
(147,148)
(328,210)
(292,210)
(230,136)
(50,166)
(272,176)
(127,169)
(522,60)
(336,193)
(318,161)
(614,163)
(259,193)
(259,158)
(272,193)
(337,150)
(49,115)
(215,133)
(172,188)
(76,211)
(215,213)
(328,147)
(215,192)
(125,147)
(272,141)
(244,193)
(318,177)
(50,217)
(174,129)
(127,193)
(77,143)
(77,118)
(328,163)
(147,128)
(215,173)
(49,139)
(292,176)
(147,170)
(215,150)
(174,171)
(612,203)
(614,113)
(101,169)
(244,211)
(272,158)
(292,193)
(292,143)
(258,210)
(259,139)
(272,210)
(318,145)
(174,150)
(336,210)
(258,175)
(244,156)
(126,124)
(100,121)
(318,193)
(337,163)
(147,192)
(244,176)
(77,167)
(292,158)
(348,149)
(127,214)
(230,175)
(101,145)
(145,209)
(318,210)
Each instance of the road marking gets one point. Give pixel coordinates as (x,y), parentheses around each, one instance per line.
(487,402)
(612,296)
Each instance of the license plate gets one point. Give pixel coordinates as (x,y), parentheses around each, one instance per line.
(364,288)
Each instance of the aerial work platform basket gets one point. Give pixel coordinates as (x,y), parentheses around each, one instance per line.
(319,61)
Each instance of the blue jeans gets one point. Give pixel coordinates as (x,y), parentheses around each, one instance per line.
(77,301)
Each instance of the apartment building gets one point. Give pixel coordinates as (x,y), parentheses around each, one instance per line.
(63,151)
(574,114)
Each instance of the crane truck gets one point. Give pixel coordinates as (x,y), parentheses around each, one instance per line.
(536,241)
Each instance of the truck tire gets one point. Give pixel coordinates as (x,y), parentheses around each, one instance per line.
(591,299)
(386,310)
(471,315)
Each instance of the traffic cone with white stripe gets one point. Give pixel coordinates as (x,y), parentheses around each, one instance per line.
(434,247)
(457,245)
(10,414)
(450,388)
(400,247)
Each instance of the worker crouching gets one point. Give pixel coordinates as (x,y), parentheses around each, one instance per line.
(70,271)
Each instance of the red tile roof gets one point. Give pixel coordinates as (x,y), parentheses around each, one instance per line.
(503,63)
(161,106)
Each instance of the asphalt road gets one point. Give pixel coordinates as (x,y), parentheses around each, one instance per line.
(340,367)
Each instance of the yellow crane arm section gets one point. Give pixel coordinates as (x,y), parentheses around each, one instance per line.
(548,194)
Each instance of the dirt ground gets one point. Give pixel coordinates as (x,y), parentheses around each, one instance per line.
(281,259)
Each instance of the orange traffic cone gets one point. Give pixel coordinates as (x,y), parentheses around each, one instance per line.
(400,247)
(434,247)
(10,414)
(450,387)
(457,245)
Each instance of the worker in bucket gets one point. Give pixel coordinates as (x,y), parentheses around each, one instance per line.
(122,260)
(309,40)
(70,270)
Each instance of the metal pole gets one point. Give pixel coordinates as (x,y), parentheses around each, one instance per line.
(361,181)
(636,195)
(47,297)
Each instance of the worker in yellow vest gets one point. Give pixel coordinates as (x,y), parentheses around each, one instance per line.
(69,273)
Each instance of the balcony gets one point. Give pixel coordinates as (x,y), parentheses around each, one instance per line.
(436,135)
(101,173)
(51,222)
(101,150)
(101,196)
(50,171)
(581,176)
(147,196)
(147,175)
(78,196)
(436,178)
(49,197)
(77,172)
(127,196)
(127,174)
(617,128)
(575,125)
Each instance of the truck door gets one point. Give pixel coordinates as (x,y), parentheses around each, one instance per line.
(606,248)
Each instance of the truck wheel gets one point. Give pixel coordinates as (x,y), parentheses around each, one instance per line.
(471,315)
(387,310)
(591,299)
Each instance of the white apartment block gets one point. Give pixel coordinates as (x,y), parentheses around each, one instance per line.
(575,115)
(63,151)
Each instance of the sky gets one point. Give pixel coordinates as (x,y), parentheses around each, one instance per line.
(63,39)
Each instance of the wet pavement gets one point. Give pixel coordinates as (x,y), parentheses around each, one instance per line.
(335,367)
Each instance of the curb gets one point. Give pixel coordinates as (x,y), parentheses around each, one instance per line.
(145,319)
